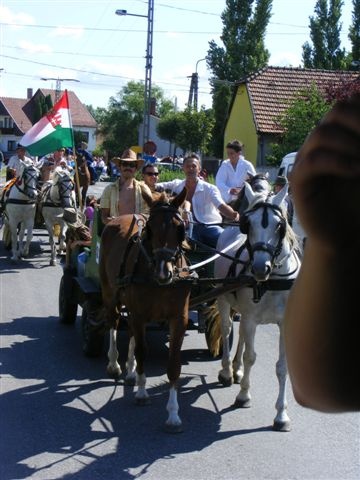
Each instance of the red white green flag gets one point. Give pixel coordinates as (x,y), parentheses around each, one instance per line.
(52,131)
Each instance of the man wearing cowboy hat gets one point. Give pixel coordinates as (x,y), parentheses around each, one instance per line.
(124,196)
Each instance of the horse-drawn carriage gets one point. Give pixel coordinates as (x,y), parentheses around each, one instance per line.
(140,263)
(80,286)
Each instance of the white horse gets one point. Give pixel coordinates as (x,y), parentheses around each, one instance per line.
(266,251)
(57,195)
(20,205)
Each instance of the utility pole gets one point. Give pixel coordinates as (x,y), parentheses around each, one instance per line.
(194,87)
(58,85)
(148,66)
(148,71)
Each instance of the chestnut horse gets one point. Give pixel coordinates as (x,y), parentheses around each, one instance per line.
(141,270)
(84,177)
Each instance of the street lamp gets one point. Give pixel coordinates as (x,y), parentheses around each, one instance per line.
(194,86)
(58,84)
(148,65)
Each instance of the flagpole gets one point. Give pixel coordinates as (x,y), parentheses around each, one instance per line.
(77,179)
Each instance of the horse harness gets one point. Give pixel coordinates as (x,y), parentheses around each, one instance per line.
(141,239)
(17,184)
(46,195)
(260,288)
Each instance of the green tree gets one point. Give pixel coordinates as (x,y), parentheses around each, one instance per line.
(48,103)
(169,126)
(191,130)
(243,52)
(41,106)
(119,123)
(325,27)
(195,130)
(354,32)
(303,113)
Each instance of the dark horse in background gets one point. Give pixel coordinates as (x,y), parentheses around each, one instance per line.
(139,270)
(84,177)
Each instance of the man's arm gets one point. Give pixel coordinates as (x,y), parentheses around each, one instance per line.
(223,208)
(105,205)
(228,212)
(105,215)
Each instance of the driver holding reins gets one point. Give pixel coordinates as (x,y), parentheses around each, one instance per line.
(206,202)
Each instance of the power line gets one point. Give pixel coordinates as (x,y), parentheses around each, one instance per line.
(112,86)
(187,32)
(85,71)
(78,54)
(96,29)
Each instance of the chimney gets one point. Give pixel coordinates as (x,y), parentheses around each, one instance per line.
(29,93)
(153,106)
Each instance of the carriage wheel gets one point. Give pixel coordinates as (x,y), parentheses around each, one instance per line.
(92,330)
(67,306)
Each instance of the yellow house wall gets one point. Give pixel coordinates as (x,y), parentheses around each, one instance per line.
(241,125)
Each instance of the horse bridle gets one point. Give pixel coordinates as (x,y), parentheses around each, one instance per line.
(273,251)
(167,254)
(65,188)
(29,174)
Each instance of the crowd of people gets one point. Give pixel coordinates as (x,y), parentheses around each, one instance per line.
(330,153)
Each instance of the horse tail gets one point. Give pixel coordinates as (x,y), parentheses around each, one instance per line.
(213,334)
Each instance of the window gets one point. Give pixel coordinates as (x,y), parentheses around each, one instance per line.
(11,146)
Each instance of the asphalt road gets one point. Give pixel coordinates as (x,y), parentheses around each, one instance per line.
(61,417)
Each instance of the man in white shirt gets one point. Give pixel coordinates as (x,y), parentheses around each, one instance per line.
(233,172)
(206,202)
(14,163)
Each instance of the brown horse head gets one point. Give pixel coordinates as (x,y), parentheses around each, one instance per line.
(165,232)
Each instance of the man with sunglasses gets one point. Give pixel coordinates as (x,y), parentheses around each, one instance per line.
(124,196)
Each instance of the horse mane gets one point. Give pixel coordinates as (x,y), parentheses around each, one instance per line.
(237,204)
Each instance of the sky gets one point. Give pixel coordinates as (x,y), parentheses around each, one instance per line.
(96,52)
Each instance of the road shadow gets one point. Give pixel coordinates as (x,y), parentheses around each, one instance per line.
(68,411)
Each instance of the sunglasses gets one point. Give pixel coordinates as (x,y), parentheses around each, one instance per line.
(152,174)
(128,164)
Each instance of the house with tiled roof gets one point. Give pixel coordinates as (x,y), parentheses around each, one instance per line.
(259,100)
(17,115)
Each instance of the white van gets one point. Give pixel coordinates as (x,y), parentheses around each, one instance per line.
(287,164)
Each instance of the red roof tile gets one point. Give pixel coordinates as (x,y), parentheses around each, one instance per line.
(271,89)
(14,107)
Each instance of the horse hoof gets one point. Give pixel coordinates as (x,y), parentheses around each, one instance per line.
(142,401)
(225,382)
(173,428)
(242,403)
(130,381)
(114,373)
(237,378)
(282,426)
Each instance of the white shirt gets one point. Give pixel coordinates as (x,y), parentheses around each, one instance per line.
(15,162)
(228,178)
(205,201)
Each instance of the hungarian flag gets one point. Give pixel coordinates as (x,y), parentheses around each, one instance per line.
(52,131)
